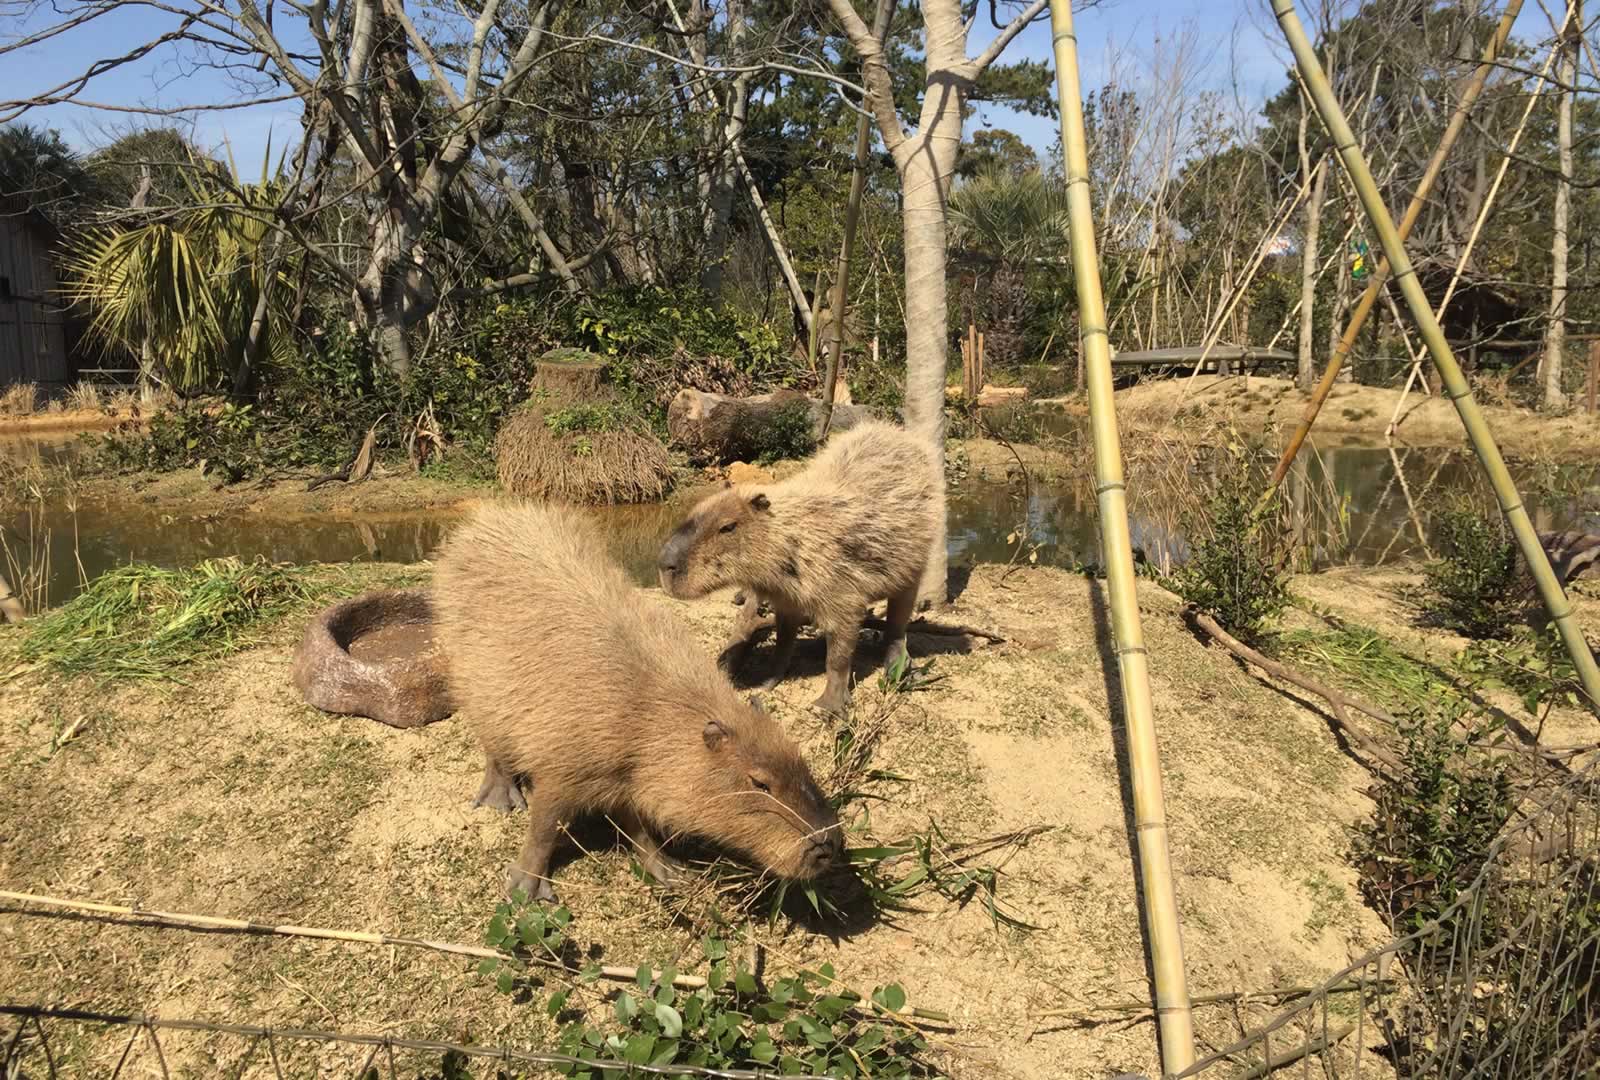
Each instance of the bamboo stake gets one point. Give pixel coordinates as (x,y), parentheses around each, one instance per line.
(1444,361)
(1369,298)
(1176,1023)
(852,216)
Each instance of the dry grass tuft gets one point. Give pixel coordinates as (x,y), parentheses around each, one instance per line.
(614,464)
(84,397)
(20,400)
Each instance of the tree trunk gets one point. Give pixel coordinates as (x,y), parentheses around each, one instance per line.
(1308,281)
(718,428)
(925,186)
(1556,334)
(723,175)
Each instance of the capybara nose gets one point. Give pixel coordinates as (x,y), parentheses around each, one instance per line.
(670,560)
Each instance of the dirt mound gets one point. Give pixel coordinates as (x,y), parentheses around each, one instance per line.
(1352,411)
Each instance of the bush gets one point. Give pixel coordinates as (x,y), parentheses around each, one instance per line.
(1476,588)
(787,435)
(1431,831)
(1232,572)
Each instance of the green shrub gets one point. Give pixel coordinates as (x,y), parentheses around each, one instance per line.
(786,435)
(1476,587)
(1232,572)
(1433,825)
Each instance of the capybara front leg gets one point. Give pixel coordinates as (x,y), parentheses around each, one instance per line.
(788,632)
(656,862)
(499,790)
(530,874)
(733,654)
(841,654)
(898,617)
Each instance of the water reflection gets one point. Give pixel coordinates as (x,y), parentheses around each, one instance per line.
(1346,505)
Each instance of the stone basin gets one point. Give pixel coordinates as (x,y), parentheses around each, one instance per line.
(375,655)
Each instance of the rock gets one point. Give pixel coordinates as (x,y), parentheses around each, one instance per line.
(374,656)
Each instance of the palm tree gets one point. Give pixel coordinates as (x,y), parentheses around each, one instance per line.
(181,291)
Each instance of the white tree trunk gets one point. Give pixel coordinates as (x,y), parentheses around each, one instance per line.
(1555,337)
(1308,281)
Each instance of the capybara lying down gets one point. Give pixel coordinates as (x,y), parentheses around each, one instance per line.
(855,527)
(605,705)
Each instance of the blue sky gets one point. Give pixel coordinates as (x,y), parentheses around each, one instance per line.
(1230,38)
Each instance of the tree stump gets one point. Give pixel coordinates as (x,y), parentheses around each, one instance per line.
(570,374)
(716,428)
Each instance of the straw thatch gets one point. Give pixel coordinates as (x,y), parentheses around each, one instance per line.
(577,442)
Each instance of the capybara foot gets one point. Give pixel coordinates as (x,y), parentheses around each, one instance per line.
(500,792)
(832,703)
(661,866)
(895,655)
(529,885)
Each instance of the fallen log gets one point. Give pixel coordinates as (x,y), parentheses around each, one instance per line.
(717,428)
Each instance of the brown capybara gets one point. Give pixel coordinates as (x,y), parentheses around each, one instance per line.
(604,704)
(855,527)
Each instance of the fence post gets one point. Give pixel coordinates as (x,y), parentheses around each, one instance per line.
(1456,387)
(1594,373)
(1165,938)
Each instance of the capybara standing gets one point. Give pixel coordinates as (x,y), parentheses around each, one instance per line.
(604,704)
(855,527)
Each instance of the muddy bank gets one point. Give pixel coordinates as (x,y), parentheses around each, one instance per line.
(1351,411)
(226,795)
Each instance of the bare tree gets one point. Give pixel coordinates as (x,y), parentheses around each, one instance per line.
(925,160)
(1555,335)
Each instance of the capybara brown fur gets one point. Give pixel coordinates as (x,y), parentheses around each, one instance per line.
(603,704)
(854,527)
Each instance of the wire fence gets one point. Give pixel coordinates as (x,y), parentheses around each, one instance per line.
(1501,984)
(38,1050)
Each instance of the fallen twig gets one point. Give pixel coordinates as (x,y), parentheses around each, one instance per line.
(1340,704)
(1304,1050)
(186,921)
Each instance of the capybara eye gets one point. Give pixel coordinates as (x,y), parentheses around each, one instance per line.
(729,527)
(760,785)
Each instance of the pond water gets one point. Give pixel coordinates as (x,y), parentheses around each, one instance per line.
(1350,504)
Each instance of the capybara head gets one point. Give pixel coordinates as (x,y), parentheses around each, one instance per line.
(758,798)
(721,542)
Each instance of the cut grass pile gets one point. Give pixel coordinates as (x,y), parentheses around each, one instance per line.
(146,622)
(1364,662)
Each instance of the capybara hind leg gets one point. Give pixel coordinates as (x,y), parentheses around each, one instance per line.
(530,874)
(841,654)
(901,605)
(788,632)
(656,862)
(499,790)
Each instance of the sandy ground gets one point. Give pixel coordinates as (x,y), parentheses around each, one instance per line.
(226,795)
(1352,411)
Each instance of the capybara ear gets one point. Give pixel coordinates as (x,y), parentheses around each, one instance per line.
(760,502)
(713,733)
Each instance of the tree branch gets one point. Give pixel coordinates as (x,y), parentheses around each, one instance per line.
(1015,27)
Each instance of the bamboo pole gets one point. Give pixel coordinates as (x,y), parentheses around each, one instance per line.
(1369,298)
(1444,361)
(1173,1015)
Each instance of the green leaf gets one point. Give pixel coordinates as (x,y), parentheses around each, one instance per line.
(557,1002)
(714,948)
(644,977)
(671,1023)
(891,997)
(763,1051)
(505,982)
(639,1049)
(666,1051)
(497,931)
(488,967)
(744,982)
(626,1007)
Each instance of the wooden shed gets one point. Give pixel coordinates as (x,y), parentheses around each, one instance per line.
(33,338)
